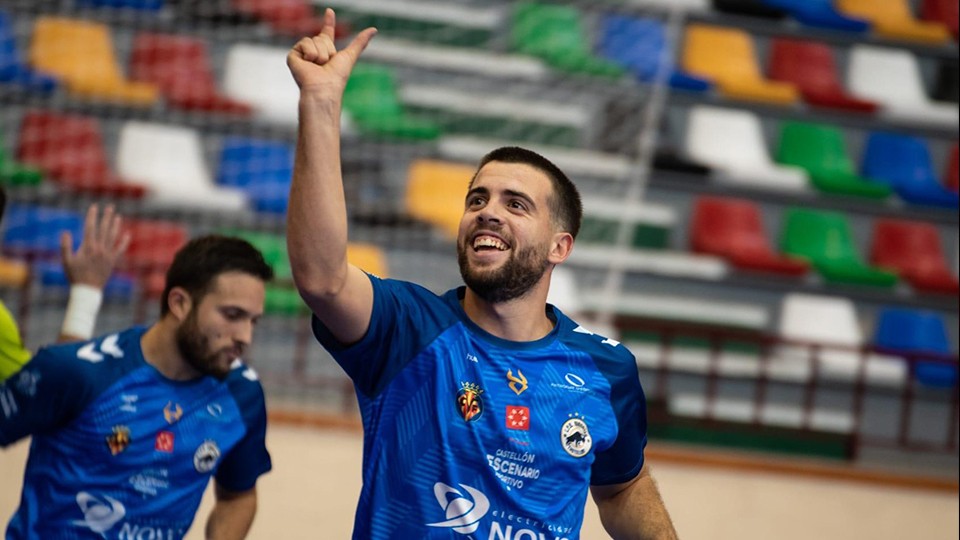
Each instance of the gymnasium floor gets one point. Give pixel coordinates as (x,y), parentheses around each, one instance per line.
(312,491)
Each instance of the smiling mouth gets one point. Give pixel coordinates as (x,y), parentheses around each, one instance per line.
(489,243)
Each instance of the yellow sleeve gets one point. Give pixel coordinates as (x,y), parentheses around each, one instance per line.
(13,355)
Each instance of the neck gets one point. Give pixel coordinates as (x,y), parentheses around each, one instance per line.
(521,319)
(159,345)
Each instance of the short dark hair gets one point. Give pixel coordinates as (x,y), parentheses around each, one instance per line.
(202,259)
(566,205)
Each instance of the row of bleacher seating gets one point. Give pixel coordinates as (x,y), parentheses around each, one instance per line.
(159,65)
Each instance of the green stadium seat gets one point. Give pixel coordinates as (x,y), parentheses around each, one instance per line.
(556,35)
(372,101)
(820,150)
(13,173)
(447,23)
(824,239)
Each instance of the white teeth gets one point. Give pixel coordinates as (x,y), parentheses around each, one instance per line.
(487,241)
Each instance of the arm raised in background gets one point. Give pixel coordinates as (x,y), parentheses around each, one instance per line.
(89,268)
(339,294)
(232,514)
(634,510)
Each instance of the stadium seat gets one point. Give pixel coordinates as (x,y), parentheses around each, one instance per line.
(262,168)
(372,101)
(461,25)
(831,324)
(820,14)
(733,229)
(556,35)
(171,161)
(640,45)
(952,173)
(820,150)
(941,11)
(51,274)
(179,66)
(281,297)
(894,19)
(903,163)
(13,273)
(812,68)
(153,244)
(733,144)
(258,75)
(651,224)
(81,54)
(12,68)
(216,12)
(564,293)
(916,332)
(13,173)
(141,5)
(369,258)
(34,231)
(436,191)
(913,250)
(825,240)
(726,56)
(70,149)
(892,78)
(290,17)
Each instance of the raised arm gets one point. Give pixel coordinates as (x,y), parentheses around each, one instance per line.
(89,268)
(634,510)
(339,294)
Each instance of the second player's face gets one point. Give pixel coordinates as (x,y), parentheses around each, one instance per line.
(219,328)
(506,231)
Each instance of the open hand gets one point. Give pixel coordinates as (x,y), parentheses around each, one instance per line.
(102,246)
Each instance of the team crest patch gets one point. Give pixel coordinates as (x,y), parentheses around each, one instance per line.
(206,456)
(575,436)
(118,440)
(172,412)
(469,401)
(517,383)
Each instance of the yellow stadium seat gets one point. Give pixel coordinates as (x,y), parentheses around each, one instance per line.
(368,257)
(895,20)
(435,193)
(13,273)
(727,57)
(81,54)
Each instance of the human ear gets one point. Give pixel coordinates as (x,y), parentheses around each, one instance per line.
(560,248)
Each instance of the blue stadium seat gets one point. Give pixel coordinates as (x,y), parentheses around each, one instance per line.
(35,231)
(119,286)
(913,331)
(819,14)
(262,168)
(639,45)
(142,5)
(903,162)
(12,68)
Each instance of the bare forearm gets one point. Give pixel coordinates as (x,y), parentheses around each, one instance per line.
(637,513)
(232,516)
(316,216)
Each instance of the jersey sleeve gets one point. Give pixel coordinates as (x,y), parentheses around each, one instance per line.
(624,460)
(249,459)
(405,318)
(47,393)
(13,355)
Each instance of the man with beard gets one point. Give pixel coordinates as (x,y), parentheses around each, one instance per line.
(128,428)
(487,413)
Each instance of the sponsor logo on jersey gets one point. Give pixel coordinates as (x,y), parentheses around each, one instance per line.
(129,402)
(519,383)
(206,456)
(518,417)
(215,410)
(118,440)
(99,514)
(571,383)
(463,512)
(513,468)
(575,436)
(172,412)
(164,442)
(150,481)
(469,401)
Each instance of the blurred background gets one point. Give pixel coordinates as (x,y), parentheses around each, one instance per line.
(770,188)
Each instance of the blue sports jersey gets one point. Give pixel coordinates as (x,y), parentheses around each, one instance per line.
(467,435)
(118,450)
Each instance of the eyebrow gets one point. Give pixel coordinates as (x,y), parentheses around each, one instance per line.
(509,192)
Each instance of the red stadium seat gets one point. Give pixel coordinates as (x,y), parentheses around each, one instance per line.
(913,250)
(181,68)
(153,245)
(71,151)
(732,228)
(812,68)
(290,17)
(942,11)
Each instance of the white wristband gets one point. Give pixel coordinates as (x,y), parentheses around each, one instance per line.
(82,310)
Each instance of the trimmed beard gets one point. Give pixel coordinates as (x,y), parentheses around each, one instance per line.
(195,348)
(522,270)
